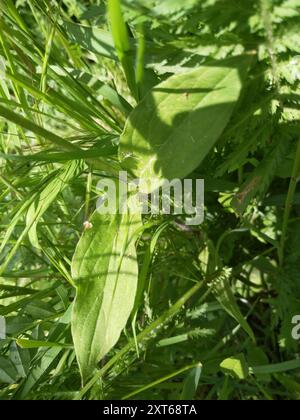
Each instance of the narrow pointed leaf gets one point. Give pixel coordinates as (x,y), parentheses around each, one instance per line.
(47,196)
(225,297)
(39,131)
(191,383)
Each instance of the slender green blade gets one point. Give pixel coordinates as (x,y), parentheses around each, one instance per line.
(31,126)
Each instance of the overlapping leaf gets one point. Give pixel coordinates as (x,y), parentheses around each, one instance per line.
(172,130)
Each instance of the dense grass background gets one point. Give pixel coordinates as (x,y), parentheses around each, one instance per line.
(69,78)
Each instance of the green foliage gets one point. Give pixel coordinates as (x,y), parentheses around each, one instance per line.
(105,272)
(130,306)
(236,366)
(179,121)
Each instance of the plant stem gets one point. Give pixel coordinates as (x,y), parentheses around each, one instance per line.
(88,195)
(289,204)
(140,62)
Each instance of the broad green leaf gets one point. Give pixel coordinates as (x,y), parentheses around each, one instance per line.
(225,297)
(175,126)
(105,272)
(236,366)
